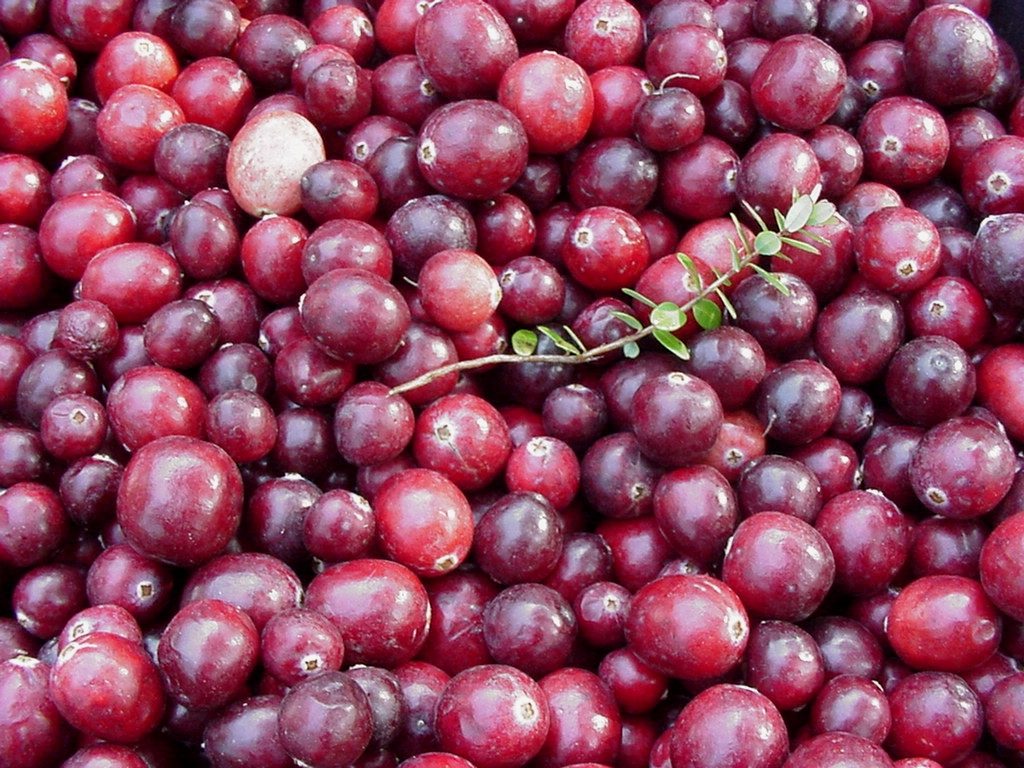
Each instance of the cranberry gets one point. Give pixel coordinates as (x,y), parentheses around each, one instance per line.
(122,577)
(932,370)
(206,653)
(801,101)
(530,627)
(690,627)
(905,141)
(34,524)
(920,624)
(27,190)
(727,723)
(992,177)
(337,311)
(784,663)
(246,733)
(833,750)
(951,55)
(772,169)
(798,401)
(380,607)
(934,715)
(494,716)
(33,728)
(962,468)
(37,111)
(869,537)
(692,51)
(771,554)
(465,47)
(585,723)
(325,720)
(180,499)
(604,33)
(107,686)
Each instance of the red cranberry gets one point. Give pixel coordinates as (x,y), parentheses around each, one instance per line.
(690,627)
(36,110)
(677,418)
(784,663)
(207,652)
(930,369)
(214,91)
(928,633)
(33,727)
(992,177)
(338,308)
(530,627)
(457,602)
(801,101)
(869,537)
(604,33)
(34,524)
(258,584)
(690,50)
(26,187)
(552,97)
(325,721)
(962,468)
(934,715)
(150,402)
(246,733)
(727,723)
(833,750)
(180,500)
(107,686)
(429,545)
(951,55)
(584,721)
(380,607)
(494,716)
(465,47)
(132,279)
(905,141)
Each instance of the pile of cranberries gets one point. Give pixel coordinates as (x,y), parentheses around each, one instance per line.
(232,230)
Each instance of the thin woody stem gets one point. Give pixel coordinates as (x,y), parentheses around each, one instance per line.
(584,357)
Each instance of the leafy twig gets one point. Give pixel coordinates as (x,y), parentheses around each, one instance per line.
(666,317)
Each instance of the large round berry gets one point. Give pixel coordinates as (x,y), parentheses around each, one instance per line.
(689,627)
(380,607)
(107,686)
(473,149)
(355,315)
(492,715)
(180,500)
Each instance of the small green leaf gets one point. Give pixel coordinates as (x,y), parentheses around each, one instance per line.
(730,310)
(798,214)
(821,213)
(631,349)
(575,339)
(780,220)
(800,245)
(691,269)
(815,193)
(629,320)
(755,215)
(667,317)
(772,280)
(639,297)
(559,341)
(707,314)
(524,342)
(672,344)
(767,243)
(734,252)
